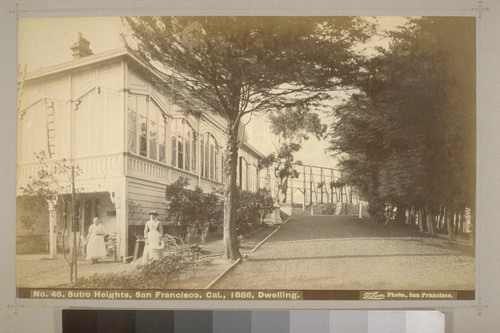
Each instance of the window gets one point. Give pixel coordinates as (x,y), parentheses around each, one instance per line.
(183,141)
(132,125)
(244,173)
(211,158)
(206,159)
(216,164)
(194,152)
(187,148)
(180,152)
(153,140)
(143,125)
(146,128)
(162,143)
(257,178)
(223,178)
(174,152)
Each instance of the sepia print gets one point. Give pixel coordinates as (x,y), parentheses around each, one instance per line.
(246,158)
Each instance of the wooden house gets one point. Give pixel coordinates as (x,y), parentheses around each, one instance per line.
(105,113)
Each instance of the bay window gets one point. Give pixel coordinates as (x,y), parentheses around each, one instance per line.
(145,128)
(183,141)
(211,158)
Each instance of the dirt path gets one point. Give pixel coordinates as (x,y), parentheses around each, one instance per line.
(34,271)
(345,253)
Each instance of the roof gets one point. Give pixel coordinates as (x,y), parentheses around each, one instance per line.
(252,149)
(123,52)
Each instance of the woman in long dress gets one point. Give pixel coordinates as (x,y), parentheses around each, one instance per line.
(153,233)
(96,248)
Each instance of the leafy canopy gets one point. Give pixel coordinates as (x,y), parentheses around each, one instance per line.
(408,136)
(236,65)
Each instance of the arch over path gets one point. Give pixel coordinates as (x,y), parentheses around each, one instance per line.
(313,190)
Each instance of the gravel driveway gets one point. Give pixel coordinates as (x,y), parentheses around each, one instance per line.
(347,253)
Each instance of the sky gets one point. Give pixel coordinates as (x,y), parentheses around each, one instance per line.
(45,42)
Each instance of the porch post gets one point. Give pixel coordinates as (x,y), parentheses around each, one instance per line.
(52,231)
(119,200)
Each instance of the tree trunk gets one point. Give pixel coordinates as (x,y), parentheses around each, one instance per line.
(408,216)
(400,215)
(421,220)
(411,216)
(429,218)
(461,221)
(284,189)
(449,224)
(442,213)
(231,249)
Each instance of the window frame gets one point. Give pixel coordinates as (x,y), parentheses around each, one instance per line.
(211,158)
(182,134)
(155,118)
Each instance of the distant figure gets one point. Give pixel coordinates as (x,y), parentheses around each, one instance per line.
(153,233)
(390,213)
(95,242)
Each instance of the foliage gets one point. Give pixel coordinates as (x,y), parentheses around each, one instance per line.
(171,264)
(55,185)
(290,125)
(251,207)
(294,124)
(283,166)
(30,207)
(52,181)
(194,210)
(328,209)
(408,136)
(233,66)
(28,223)
(155,274)
(197,212)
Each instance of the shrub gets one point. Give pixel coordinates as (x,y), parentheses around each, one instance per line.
(199,212)
(251,207)
(329,209)
(171,264)
(155,274)
(194,210)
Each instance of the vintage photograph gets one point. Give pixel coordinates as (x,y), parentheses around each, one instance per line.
(246,158)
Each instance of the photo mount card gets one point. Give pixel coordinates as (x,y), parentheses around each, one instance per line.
(464,313)
(110,148)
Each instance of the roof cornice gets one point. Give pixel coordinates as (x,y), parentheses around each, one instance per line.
(253,149)
(78,63)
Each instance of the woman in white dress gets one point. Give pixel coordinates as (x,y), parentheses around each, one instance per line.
(96,248)
(153,233)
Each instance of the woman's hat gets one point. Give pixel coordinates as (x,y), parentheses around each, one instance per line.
(152,212)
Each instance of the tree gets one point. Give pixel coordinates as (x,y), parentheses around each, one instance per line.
(233,66)
(290,125)
(283,167)
(51,187)
(408,136)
